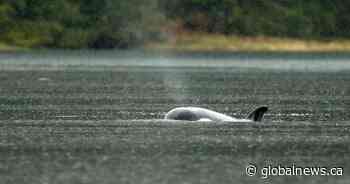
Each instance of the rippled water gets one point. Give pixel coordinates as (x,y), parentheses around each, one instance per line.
(94,117)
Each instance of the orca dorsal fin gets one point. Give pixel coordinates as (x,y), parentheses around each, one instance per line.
(257,114)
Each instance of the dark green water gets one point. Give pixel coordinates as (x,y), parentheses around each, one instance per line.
(94,117)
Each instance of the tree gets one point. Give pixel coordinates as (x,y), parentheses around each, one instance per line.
(6,12)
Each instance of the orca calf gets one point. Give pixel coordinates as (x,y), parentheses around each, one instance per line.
(202,114)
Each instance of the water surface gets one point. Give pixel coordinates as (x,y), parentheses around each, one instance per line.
(94,117)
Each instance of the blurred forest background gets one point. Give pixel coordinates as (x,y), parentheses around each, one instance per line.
(131,23)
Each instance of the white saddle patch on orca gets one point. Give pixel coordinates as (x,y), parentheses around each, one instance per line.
(205,115)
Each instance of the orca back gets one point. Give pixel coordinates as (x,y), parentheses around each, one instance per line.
(182,114)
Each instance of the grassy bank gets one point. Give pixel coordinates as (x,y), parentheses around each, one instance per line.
(10,48)
(217,42)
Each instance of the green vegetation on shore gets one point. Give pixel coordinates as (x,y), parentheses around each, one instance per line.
(8,48)
(219,42)
(256,25)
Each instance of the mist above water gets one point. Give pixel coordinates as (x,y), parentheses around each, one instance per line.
(58,59)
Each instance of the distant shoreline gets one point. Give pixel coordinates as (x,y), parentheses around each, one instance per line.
(9,48)
(204,42)
(222,43)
